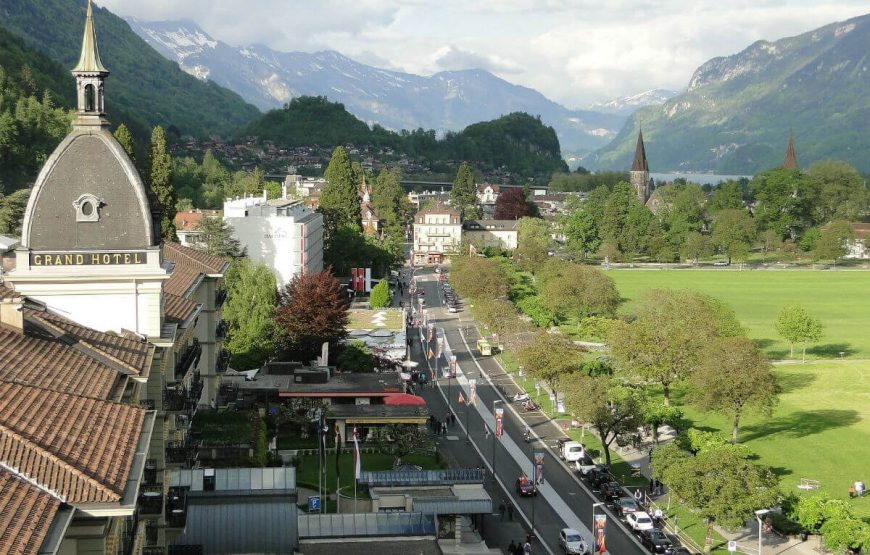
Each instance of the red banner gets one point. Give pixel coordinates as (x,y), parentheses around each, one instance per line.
(499,420)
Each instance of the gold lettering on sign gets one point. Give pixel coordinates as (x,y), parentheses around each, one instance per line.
(87,259)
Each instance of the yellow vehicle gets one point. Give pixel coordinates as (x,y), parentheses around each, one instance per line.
(484,347)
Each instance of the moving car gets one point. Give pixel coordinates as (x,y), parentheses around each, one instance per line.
(625,505)
(572,542)
(639,521)
(656,541)
(525,487)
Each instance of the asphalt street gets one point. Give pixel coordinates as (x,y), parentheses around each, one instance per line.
(563,499)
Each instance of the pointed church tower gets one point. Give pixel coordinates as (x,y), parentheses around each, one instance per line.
(640,171)
(90,75)
(790,162)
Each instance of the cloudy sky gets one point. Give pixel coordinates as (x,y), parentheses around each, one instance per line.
(574,51)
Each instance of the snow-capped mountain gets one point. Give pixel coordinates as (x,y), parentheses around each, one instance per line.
(448,100)
(627,105)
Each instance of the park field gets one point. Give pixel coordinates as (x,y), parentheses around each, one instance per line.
(838,298)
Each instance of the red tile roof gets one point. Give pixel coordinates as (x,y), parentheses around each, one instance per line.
(178,309)
(189,265)
(7,294)
(80,448)
(26,514)
(188,220)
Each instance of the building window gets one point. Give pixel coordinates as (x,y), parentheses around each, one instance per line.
(87,208)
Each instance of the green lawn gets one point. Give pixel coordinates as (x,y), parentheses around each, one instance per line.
(307,466)
(838,298)
(362,319)
(820,430)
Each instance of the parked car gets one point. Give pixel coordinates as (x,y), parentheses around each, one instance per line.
(639,521)
(597,477)
(526,487)
(584,465)
(625,505)
(572,451)
(656,541)
(611,491)
(678,550)
(572,542)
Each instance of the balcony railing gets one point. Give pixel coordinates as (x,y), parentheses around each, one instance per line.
(220,331)
(223,361)
(175,509)
(149,476)
(219,297)
(181,398)
(183,452)
(151,500)
(187,359)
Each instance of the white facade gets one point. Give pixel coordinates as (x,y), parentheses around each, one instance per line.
(491,233)
(285,235)
(437,231)
(487,194)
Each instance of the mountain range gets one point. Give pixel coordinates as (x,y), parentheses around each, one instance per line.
(627,105)
(738,110)
(445,101)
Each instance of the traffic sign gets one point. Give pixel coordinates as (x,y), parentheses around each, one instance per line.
(732,546)
(313,503)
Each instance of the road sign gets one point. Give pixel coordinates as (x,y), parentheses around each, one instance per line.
(313,503)
(732,546)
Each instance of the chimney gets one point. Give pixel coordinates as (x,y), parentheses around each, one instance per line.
(12,313)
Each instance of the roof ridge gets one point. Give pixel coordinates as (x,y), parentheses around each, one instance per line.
(44,453)
(23,476)
(187,252)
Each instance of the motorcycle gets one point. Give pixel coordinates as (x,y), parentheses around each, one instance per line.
(527,435)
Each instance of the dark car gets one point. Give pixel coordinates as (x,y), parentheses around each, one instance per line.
(625,505)
(526,487)
(655,540)
(597,478)
(678,551)
(611,491)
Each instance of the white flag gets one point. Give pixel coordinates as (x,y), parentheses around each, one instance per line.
(357,465)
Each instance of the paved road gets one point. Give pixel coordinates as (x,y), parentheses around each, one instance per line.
(563,501)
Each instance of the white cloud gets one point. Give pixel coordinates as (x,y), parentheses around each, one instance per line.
(574,51)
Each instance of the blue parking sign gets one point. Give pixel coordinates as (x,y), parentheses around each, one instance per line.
(313,503)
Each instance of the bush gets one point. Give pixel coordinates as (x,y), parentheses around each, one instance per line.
(356,357)
(380,296)
(533,307)
(595,328)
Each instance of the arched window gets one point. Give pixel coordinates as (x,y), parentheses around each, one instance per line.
(90,98)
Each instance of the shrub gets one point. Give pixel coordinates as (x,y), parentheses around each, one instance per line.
(380,295)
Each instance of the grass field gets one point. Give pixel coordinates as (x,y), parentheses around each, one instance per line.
(839,298)
(362,319)
(306,470)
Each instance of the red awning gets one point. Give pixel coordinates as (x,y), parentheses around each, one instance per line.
(403,399)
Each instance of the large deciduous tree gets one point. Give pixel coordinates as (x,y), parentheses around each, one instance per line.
(833,240)
(160,182)
(610,407)
(577,291)
(479,278)
(312,310)
(463,196)
(728,195)
(796,325)
(533,244)
(550,357)
(250,314)
(734,376)
(511,204)
(669,329)
(720,484)
(784,201)
(733,233)
(216,238)
(842,191)
(339,200)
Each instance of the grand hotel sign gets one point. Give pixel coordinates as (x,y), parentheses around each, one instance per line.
(113,258)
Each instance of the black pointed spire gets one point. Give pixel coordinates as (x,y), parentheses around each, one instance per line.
(790,162)
(640,164)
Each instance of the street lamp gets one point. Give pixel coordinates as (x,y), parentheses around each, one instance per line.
(758,514)
(594,537)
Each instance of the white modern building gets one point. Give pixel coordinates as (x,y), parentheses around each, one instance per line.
(501,234)
(283,234)
(437,231)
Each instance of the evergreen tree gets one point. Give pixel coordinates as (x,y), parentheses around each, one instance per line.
(339,200)
(160,181)
(250,313)
(388,198)
(463,197)
(122,133)
(217,238)
(380,296)
(12,208)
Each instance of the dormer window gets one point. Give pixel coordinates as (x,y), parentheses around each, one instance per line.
(87,208)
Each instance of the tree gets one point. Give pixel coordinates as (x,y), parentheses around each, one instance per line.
(796,325)
(339,200)
(250,314)
(833,241)
(733,233)
(511,204)
(610,407)
(581,231)
(734,376)
(577,291)
(720,484)
(401,440)
(533,243)
(12,207)
(478,278)
(656,415)
(388,199)
(125,138)
(697,246)
(663,342)
(380,296)
(683,212)
(842,192)
(216,238)
(312,309)
(356,357)
(160,182)
(784,201)
(549,357)
(463,196)
(728,195)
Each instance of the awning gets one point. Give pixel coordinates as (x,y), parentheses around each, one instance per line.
(404,399)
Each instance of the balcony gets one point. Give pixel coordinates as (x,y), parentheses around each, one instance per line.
(187,359)
(180,398)
(181,452)
(149,477)
(220,331)
(175,509)
(220,297)
(223,361)
(151,500)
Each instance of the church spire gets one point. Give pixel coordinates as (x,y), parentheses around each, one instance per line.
(790,162)
(639,164)
(90,74)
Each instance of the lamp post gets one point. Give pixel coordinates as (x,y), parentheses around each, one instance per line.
(758,514)
(494,433)
(534,476)
(594,540)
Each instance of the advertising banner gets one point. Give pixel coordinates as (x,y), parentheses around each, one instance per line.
(472,392)
(499,422)
(453,366)
(599,535)
(539,467)
(440,346)
(431,330)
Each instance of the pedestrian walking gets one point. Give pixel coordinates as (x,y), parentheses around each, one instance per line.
(510,510)
(444,428)
(511,549)
(638,495)
(658,517)
(518,550)
(527,547)
(501,510)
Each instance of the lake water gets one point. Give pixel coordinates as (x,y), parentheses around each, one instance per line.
(700,178)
